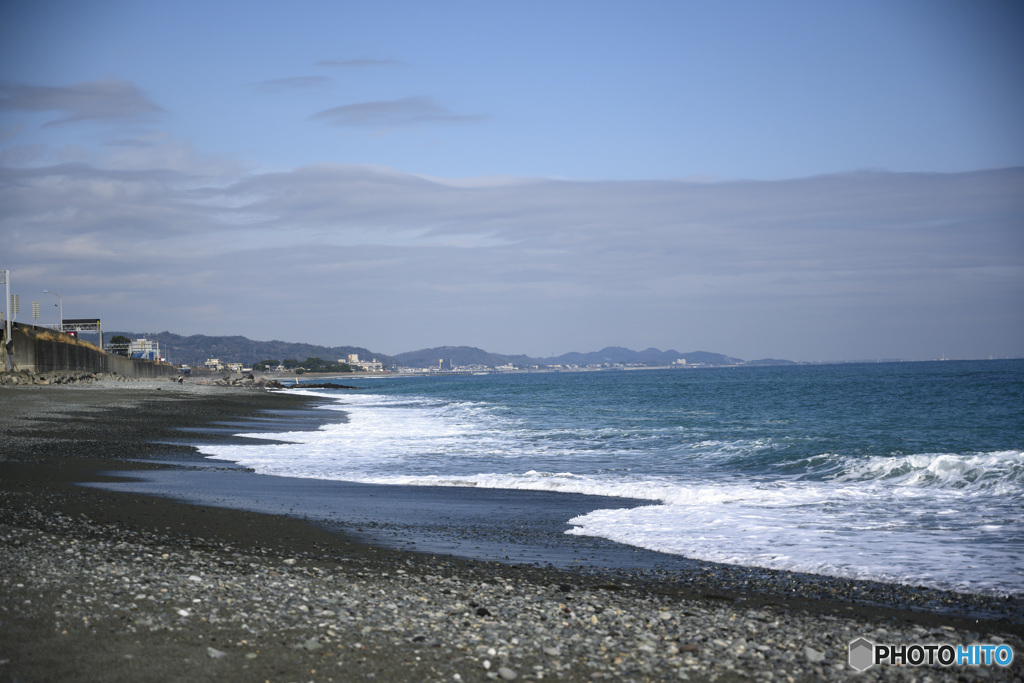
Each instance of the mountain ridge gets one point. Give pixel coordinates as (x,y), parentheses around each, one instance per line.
(194,349)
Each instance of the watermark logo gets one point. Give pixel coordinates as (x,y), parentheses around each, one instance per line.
(862,654)
(865,654)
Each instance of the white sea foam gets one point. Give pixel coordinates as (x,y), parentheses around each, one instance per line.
(873,532)
(920,518)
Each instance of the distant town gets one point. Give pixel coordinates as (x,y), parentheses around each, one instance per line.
(200,354)
(206,355)
(353,364)
(436,361)
(448,360)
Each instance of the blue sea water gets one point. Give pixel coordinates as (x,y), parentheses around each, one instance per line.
(903,472)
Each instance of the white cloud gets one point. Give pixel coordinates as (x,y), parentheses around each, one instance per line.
(537,266)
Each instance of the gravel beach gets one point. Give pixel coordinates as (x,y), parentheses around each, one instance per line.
(102,585)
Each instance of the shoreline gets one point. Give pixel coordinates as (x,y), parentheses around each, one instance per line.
(704,620)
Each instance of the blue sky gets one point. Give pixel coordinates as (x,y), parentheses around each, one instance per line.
(796,179)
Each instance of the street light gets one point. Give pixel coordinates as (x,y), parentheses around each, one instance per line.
(60,307)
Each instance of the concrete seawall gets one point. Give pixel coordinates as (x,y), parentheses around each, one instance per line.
(39,350)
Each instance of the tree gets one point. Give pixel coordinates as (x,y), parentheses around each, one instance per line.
(265,365)
(123,342)
(315,364)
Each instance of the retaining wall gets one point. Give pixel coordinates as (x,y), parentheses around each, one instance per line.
(38,350)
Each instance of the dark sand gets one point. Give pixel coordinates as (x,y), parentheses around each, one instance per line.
(137,437)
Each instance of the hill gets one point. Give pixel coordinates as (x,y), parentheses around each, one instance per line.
(195,349)
(459,355)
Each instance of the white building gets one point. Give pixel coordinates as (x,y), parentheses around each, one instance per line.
(144,348)
(363,365)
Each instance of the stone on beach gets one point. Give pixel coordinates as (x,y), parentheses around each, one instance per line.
(90,576)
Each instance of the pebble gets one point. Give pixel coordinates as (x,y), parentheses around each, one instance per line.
(352,607)
(439,620)
(814,656)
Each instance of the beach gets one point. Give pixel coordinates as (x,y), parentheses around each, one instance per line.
(389,583)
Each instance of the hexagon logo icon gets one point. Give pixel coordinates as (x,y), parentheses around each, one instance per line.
(861,654)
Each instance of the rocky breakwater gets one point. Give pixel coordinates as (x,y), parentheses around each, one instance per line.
(27,377)
(244,381)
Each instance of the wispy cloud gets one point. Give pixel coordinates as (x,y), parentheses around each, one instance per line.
(104,100)
(799,267)
(407,111)
(276,85)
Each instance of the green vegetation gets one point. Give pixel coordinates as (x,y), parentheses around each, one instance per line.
(319,365)
(197,348)
(119,339)
(309,365)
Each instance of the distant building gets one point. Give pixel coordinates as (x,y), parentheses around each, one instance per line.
(679,361)
(145,349)
(213,364)
(444,364)
(234,367)
(363,365)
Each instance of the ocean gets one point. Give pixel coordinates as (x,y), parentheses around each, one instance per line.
(900,472)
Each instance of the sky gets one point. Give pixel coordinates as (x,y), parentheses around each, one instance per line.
(801,180)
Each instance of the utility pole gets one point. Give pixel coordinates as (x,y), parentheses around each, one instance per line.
(8,340)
